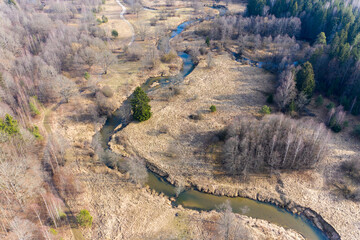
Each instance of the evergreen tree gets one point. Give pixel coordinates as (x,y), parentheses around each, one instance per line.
(321,39)
(305,81)
(140,105)
(255,7)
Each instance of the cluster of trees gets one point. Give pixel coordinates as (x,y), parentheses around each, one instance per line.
(274,35)
(276,142)
(295,88)
(231,27)
(36,47)
(333,28)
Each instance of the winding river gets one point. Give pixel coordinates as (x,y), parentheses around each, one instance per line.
(193,199)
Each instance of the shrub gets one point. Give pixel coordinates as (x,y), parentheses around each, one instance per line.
(275,142)
(84,218)
(270,99)
(212,108)
(107,91)
(9,125)
(140,105)
(203,51)
(319,101)
(265,110)
(348,182)
(207,41)
(336,119)
(357,131)
(330,106)
(168,57)
(352,170)
(33,108)
(196,117)
(104,19)
(98,20)
(153,22)
(336,128)
(86,75)
(114,33)
(53,231)
(36,132)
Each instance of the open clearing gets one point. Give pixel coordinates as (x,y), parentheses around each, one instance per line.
(174,143)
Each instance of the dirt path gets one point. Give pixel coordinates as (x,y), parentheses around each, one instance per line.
(130,25)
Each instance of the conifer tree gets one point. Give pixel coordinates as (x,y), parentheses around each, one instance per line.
(140,105)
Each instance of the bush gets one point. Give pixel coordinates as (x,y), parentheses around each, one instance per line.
(114,33)
(36,132)
(33,108)
(319,101)
(357,131)
(196,117)
(107,91)
(140,105)
(265,110)
(336,128)
(212,108)
(104,19)
(275,142)
(9,125)
(168,57)
(207,41)
(86,75)
(330,106)
(153,22)
(349,180)
(270,99)
(352,170)
(203,51)
(336,119)
(84,218)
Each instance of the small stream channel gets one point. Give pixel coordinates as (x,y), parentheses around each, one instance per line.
(193,199)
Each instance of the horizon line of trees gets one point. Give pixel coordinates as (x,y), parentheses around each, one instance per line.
(333,28)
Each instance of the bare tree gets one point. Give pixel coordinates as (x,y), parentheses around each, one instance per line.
(142,30)
(106,58)
(67,89)
(23,228)
(276,142)
(229,226)
(286,90)
(137,170)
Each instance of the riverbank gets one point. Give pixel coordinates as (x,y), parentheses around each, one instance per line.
(175,152)
(121,209)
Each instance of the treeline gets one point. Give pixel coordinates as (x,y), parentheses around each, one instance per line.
(274,35)
(333,29)
(275,142)
(42,50)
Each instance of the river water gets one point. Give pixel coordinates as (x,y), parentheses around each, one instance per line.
(193,199)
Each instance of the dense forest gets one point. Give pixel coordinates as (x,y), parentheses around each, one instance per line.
(332,27)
